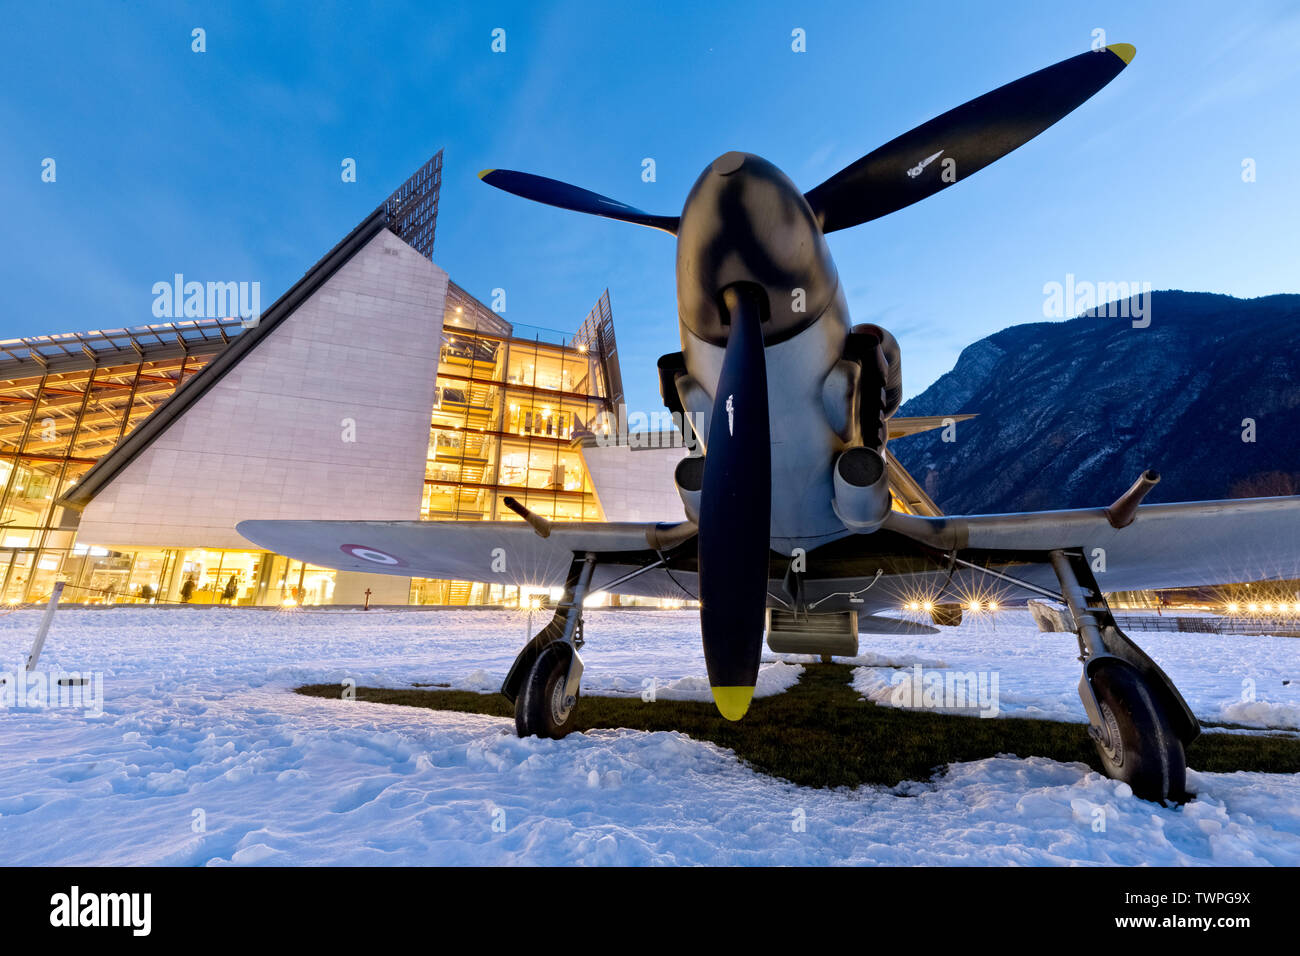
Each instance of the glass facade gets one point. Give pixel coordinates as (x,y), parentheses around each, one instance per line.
(507,409)
(65,400)
(193,576)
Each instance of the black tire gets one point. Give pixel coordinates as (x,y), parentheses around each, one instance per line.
(539,707)
(1144,751)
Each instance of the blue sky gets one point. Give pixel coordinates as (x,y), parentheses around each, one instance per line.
(225,165)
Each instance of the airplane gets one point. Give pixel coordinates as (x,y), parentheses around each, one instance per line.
(790,524)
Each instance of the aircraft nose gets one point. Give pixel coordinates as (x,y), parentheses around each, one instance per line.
(745,222)
(728,163)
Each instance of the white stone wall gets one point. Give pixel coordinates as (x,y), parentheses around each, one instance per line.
(350,588)
(635,484)
(267,440)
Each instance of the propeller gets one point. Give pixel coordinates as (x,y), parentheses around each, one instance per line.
(910,168)
(552,192)
(735,510)
(736,495)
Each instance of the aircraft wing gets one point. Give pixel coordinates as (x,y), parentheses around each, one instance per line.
(1185,544)
(505,552)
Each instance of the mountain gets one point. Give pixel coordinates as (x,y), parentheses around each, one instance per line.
(1070,413)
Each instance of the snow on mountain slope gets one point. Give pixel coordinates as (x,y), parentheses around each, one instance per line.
(1070,413)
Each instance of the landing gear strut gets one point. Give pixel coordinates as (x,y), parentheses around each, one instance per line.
(544,682)
(1139,722)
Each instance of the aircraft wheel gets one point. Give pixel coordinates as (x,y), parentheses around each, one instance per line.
(540,708)
(1143,750)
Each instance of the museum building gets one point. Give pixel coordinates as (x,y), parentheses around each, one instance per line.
(373,389)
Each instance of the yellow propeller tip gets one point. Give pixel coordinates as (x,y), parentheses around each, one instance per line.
(733,702)
(484,173)
(1125,51)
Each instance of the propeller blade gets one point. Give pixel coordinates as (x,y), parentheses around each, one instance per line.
(910,168)
(552,192)
(736,512)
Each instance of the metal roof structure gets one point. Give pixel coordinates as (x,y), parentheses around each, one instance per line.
(71,351)
(412,210)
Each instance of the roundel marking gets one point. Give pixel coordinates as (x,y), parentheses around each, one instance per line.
(373,555)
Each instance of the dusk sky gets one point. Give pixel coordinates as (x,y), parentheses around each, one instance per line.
(225,165)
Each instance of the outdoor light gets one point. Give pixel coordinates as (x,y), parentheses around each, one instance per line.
(1233,607)
(993,605)
(1252,607)
(973,606)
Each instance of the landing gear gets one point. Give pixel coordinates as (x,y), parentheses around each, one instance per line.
(1140,724)
(1139,745)
(544,708)
(544,682)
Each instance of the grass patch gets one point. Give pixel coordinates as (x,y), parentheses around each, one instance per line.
(820,734)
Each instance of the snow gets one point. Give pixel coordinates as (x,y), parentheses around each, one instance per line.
(1225,678)
(201,755)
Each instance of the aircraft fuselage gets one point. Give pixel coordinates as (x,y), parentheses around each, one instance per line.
(746,223)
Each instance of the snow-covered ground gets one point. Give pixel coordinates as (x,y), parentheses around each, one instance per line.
(1232,679)
(200,754)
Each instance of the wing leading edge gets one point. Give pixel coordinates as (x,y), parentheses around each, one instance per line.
(1185,544)
(502,552)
